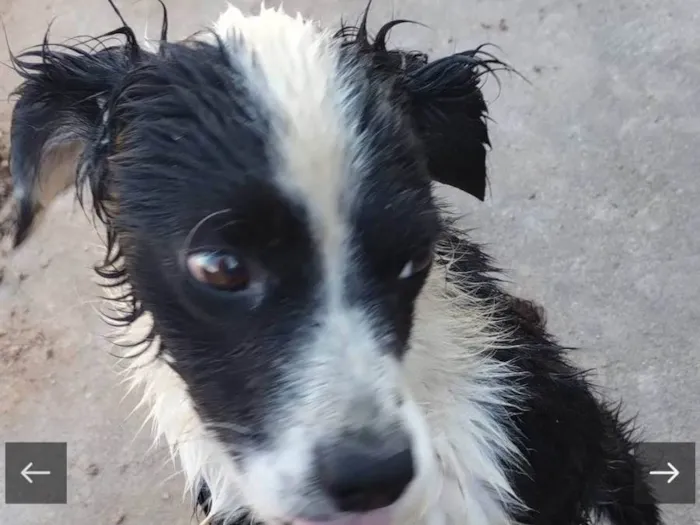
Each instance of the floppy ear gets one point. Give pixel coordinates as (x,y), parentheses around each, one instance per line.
(450,115)
(58,114)
(443,98)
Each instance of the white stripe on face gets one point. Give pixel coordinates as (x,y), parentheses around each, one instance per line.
(293,66)
(344,379)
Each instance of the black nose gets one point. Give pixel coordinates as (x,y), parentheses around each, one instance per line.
(360,478)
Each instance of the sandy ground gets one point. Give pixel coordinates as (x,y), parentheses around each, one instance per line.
(593,210)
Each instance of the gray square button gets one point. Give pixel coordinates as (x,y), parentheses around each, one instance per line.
(669,469)
(36,473)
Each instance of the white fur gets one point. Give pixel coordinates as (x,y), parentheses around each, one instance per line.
(452,389)
(291,64)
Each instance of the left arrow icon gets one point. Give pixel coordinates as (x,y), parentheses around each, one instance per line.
(27,472)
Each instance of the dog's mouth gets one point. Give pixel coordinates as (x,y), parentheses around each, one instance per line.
(375,517)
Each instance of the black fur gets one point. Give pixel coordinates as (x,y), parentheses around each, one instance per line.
(579,452)
(152,129)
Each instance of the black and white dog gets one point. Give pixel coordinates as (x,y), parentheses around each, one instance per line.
(319,343)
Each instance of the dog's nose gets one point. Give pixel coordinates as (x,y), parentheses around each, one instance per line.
(359,477)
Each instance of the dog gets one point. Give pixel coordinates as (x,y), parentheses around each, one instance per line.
(318,339)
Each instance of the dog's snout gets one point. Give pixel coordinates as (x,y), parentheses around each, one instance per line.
(360,477)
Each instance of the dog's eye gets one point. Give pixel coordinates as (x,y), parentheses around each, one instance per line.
(219,270)
(417,265)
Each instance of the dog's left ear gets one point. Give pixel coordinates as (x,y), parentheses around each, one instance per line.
(59,132)
(448,108)
(57,117)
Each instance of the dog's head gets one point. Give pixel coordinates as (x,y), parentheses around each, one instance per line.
(266,189)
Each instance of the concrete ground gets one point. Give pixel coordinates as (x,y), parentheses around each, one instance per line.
(593,210)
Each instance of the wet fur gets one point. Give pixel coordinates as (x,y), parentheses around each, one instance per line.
(518,433)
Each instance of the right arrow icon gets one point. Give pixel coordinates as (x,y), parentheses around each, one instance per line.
(672,473)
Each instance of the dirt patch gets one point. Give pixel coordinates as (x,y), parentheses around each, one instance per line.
(17,340)
(23,347)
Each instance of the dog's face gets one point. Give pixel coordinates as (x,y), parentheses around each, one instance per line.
(269,190)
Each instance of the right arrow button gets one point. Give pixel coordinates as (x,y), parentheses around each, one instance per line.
(670,471)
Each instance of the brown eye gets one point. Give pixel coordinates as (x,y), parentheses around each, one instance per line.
(219,270)
(416,265)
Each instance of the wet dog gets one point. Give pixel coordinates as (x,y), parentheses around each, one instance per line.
(318,341)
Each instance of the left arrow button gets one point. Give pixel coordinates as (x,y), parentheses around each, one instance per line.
(36,473)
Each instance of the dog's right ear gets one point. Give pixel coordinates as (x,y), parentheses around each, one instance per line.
(60,111)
